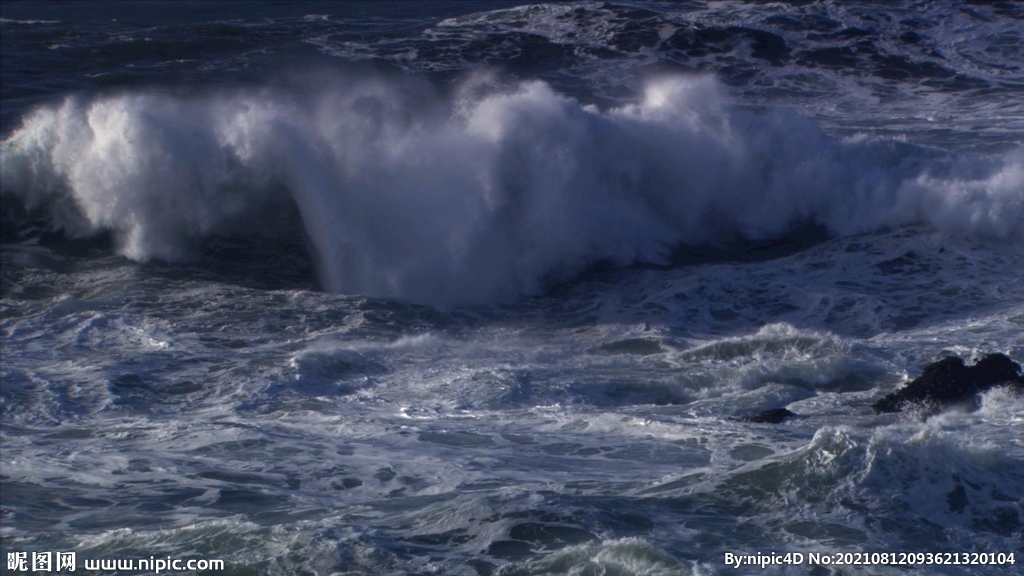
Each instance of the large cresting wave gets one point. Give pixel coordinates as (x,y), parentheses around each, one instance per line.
(483,192)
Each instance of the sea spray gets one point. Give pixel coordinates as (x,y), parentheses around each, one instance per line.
(483,194)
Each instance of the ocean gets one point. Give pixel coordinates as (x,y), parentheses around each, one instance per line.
(483,288)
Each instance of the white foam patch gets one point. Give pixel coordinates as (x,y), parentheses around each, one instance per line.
(628,557)
(1003,405)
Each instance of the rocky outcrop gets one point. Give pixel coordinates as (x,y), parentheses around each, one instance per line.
(943,384)
(950,382)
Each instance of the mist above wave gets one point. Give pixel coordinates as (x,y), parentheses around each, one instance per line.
(480,193)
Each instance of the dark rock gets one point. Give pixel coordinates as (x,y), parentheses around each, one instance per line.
(949,382)
(773,416)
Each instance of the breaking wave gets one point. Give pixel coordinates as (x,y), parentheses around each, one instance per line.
(484,192)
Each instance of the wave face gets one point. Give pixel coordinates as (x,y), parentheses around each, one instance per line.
(483,193)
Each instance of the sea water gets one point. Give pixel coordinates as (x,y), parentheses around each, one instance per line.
(482,288)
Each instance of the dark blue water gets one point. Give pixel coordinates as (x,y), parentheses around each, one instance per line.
(479,288)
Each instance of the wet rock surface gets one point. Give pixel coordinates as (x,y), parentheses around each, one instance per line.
(950,382)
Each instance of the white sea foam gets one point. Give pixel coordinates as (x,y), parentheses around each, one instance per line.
(17,21)
(628,557)
(484,194)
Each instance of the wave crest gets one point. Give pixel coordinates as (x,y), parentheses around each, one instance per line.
(480,194)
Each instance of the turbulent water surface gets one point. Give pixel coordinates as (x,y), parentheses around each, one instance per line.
(481,288)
